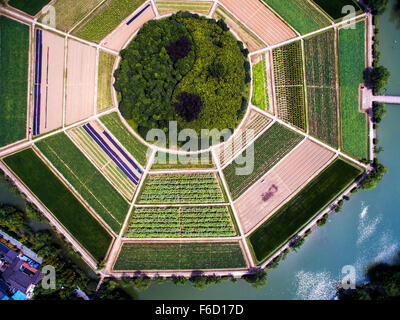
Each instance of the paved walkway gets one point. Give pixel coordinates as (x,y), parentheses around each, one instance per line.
(387,99)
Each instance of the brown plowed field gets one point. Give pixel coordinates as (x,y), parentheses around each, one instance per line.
(81,82)
(117,39)
(282,181)
(52,88)
(260,20)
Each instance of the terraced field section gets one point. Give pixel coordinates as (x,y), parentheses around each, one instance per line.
(180,256)
(260,86)
(275,187)
(137,149)
(334,8)
(254,124)
(180,222)
(322,95)
(61,202)
(104,82)
(85,179)
(252,41)
(300,14)
(289,84)
(185,188)
(28,6)
(108,159)
(69,13)
(14,47)
(165,7)
(301,209)
(106,18)
(351,70)
(268,150)
(171,161)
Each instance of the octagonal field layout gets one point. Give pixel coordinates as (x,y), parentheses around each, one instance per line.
(73,140)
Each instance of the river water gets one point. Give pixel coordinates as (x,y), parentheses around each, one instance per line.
(367,229)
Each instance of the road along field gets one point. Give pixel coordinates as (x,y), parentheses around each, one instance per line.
(56,197)
(85,179)
(289,84)
(81,82)
(300,14)
(254,124)
(181,222)
(262,21)
(301,209)
(114,124)
(49,82)
(180,256)
(117,39)
(14,64)
(110,158)
(269,149)
(202,7)
(322,92)
(251,41)
(283,180)
(182,188)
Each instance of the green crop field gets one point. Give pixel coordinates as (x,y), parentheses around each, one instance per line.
(351,70)
(269,148)
(106,18)
(85,179)
(334,8)
(321,87)
(104,97)
(294,215)
(172,6)
(60,201)
(28,6)
(180,256)
(289,84)
(14,47)
(181,188)
(125,137)
(164,161)
(260,92)
(180,222)
(300,14)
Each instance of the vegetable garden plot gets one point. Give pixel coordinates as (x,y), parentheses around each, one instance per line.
(136,148)
(85,179)
(165,7)
(181,189)
(180,256)
(289,84)
(61,202)
(180,222)
(252,127)
(260,85)
(170,161)
(269,149)
(252,42)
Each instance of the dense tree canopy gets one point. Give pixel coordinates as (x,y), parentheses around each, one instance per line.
(183,54)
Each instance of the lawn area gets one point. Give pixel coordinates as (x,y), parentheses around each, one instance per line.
(28,6)
(180,222)
(259,97)
(269,148)
(14,47)
(322,100)
(351,69)
(104,93)
(300,14)
(169,161)
(180,256)
(106,18)
(334,8)
(125,137)
(61,202)
(85,179)
(293,216)
(69,13)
